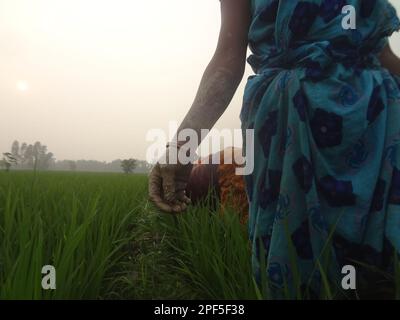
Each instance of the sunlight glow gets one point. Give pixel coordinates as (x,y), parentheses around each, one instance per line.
(22,86)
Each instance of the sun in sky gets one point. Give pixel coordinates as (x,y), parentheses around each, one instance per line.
(22,86)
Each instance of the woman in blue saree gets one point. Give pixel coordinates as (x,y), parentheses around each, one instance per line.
(324,105)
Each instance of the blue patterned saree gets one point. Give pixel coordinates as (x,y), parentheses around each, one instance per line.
(325,191)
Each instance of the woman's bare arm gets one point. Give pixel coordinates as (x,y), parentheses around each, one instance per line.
(167,182)
(390,61)
(225,70)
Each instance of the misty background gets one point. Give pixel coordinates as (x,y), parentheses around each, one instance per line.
(89,78)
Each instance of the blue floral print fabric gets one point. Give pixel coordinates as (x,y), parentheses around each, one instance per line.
(326,120)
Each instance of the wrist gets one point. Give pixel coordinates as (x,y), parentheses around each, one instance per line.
(174,154)
(175,144)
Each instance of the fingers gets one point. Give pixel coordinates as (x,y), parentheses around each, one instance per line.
(181,202)
(162,192)
(181,196)
(181,183)
(168,185)
(179,206)
(167,189)
(181,193)
(163,205)
(174,195)
(155,186)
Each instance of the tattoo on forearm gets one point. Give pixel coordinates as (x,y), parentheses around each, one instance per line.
(215,92)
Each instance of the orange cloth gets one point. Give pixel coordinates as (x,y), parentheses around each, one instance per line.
(222,180)
(231,186)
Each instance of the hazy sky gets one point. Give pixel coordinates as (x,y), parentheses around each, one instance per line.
(89,78)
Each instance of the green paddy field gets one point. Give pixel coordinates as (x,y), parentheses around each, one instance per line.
(106,241)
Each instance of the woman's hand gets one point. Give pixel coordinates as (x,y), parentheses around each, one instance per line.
(167,184)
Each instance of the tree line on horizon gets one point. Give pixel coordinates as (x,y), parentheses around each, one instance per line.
(37,157)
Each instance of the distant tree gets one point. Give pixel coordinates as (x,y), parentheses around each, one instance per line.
(36,153)
(15,150)
(23,148)
(37,157)
(34,156)
(27,157)
(7,161)
(128,165)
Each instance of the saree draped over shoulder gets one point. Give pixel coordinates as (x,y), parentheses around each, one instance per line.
(325,191)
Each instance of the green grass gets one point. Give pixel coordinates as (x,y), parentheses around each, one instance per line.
(211,251)
(107,241)
(78,223)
